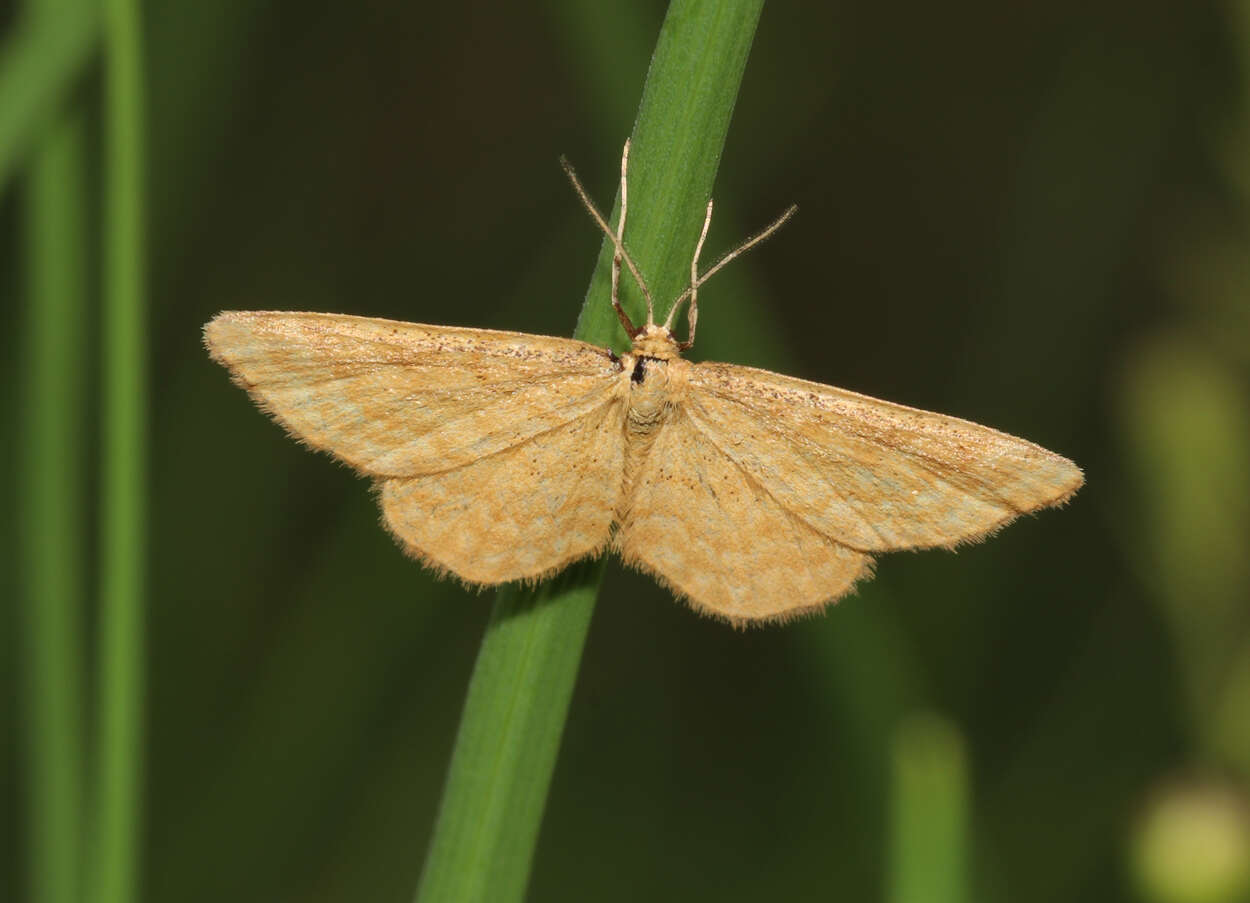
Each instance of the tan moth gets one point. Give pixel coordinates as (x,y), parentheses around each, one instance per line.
(501,456)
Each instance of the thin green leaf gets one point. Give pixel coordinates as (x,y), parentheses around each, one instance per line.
(930,813)
(38,66)
(518,698)
(53,500)
(114,846)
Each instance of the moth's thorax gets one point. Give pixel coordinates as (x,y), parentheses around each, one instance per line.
(657,378)
(656,386)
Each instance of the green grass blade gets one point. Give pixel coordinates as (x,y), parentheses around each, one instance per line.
(52,505)
(38,65)
(929,861)
(518,697)
(509,736)
(677,141)
(116,827)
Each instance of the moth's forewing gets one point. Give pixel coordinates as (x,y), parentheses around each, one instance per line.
(402,399)
(870,474)
(498,454)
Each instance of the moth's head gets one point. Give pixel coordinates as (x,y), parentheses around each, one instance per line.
(657,342)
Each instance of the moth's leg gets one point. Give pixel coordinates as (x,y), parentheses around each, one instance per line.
(692,315)
(620,247)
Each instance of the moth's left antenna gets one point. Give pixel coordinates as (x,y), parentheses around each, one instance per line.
(618,242)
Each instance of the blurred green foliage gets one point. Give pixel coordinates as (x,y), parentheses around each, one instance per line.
(929,850)
(1031,215)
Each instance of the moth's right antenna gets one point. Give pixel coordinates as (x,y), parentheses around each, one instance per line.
(618,242)
(697,280)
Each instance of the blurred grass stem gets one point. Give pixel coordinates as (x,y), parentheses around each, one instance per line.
(929,847)
(39,62)
(52,501)
(117,823)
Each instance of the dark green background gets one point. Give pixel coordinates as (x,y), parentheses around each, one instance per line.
(1031,215)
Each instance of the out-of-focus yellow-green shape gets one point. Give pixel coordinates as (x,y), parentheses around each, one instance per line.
(1187,431)
(929,813)
(1193,846)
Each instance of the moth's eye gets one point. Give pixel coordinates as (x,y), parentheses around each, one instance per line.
(640,371)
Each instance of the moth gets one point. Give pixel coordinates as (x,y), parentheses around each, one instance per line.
(502,456)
